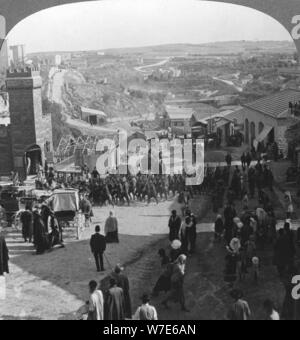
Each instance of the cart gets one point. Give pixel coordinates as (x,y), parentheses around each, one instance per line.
(10,203)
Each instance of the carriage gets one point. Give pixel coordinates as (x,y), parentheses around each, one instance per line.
(65,205)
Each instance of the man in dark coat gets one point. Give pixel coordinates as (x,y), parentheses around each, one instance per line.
(27,224)
(98,246)
(248,159)
(243,160)
(3,257)
(174,225)
(228,159)
(229,215)
(114,307)
(123,282)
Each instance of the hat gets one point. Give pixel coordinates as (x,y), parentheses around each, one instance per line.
(240,225)
(145,298)
(235,244)
(176,244)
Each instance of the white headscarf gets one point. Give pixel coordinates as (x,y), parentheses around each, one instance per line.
(235,245)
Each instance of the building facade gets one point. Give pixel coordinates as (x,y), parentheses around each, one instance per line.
(267,119)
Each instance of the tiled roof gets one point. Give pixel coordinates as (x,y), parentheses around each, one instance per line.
(203,111)
(275,105)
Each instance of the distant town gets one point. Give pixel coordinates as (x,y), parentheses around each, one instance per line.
(179,89)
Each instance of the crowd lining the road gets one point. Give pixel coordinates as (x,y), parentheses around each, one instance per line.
(245,235)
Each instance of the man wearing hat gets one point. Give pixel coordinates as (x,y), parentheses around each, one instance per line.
(145,311)
(98,246)
(174,226)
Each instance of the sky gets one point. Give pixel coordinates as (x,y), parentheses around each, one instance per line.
(107,24)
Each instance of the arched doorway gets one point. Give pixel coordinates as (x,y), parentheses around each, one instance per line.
(33,159)
(247,131)
(252,132)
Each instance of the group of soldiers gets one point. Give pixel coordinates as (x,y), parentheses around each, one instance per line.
(123,189)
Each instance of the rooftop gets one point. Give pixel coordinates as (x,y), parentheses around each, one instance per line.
(178,112)
(204,111)
(93,112)
(277,104)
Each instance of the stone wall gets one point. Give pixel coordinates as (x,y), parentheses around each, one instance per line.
(22,124)
(29,127)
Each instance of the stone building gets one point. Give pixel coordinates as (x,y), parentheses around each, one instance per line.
(27,141)
(267,119)
(177,120)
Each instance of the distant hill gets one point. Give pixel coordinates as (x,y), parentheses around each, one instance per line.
(229,47)
(215,48)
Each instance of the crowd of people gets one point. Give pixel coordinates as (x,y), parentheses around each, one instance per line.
(248,233)
(245,232)
(110,299)
(40,226)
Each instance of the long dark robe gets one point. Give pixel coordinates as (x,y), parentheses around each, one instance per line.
(3,257)
(230,268)
(41,241)
(114,308)
(123,282)
(164,281)
(27,224)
